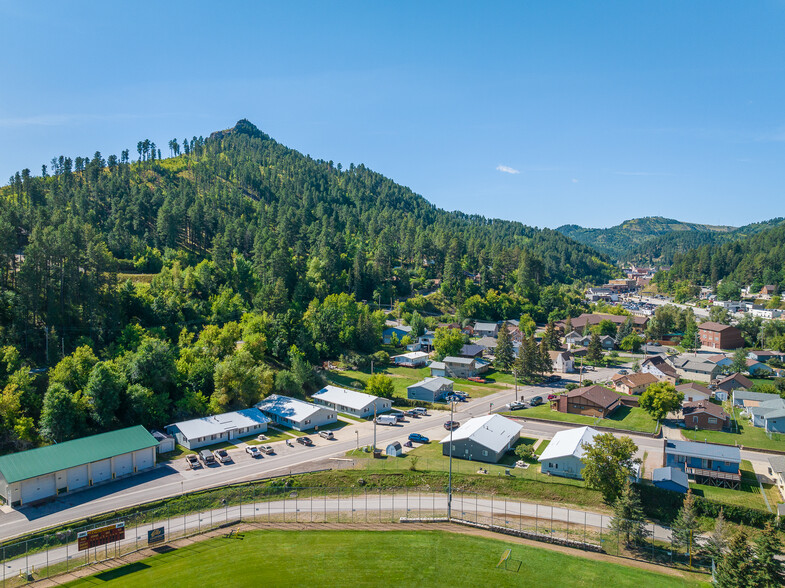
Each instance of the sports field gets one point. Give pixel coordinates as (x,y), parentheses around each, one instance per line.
(370,558)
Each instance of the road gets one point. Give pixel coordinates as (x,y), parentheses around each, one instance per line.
(699,312)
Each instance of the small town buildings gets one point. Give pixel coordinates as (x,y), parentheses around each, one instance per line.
(218,428)
(394,449)
(351,402)
(431,389)
(399,331)
(595,294)
(471,350)
(486,438)
(438,369)
(607,342)
(673,479)
(748,399)
(765,313)
(563,361)
(296,414)
(463,367)
(722,360)
(412,359)
(694,368)
(659,367)
(564,454)
(595,401)
(694,392)
(777,472)
(590,320)
(756,368)
(32,476)
(704,414)
(769,415)
(487,343)
(574,338)
(165,441)
(764,355)
(706,463)
(634,383)
(734,382)
(486,330)
(719,336)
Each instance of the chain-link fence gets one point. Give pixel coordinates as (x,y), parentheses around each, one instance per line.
(57,553)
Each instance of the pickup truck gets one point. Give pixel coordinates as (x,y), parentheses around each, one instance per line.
(192,461)
(222,456)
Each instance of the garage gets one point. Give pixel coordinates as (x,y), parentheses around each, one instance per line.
(77,477)
(123,465)
(38,488)
(144,460)
(102,471)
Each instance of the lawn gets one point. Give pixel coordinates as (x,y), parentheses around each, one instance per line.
(625,418)
(748,495)
(747,436)
(372,558)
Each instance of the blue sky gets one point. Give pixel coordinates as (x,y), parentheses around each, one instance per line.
(543,112)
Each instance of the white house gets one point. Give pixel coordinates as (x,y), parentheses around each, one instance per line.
(351,402)
(486,329)
(562,361)
(563,455)
(486,438)
(296,414)
(218,428)
(412,359)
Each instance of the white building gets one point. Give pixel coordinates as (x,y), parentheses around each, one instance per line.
(486,438)
(351,402)
(218,428)
(563,456)
(412,359)
(296,414)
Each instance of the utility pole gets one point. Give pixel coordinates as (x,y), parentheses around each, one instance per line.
(449,483)
(374,429)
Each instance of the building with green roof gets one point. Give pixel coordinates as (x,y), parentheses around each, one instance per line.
(44,473)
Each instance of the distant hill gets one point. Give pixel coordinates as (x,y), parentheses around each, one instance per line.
(656,238)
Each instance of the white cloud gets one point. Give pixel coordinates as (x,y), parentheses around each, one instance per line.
(507,169)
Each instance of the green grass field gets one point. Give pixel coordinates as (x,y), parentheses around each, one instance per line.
(748,495)
(371,558)
(625,418)
(748,436)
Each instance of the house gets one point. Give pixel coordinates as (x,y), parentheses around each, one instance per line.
(487,343)
(658,366)
(218,428)
(471,350)
(399,331)
(734,382)
(694,368)
(29,477)
(756,368)
(573,338)
(412,359)
(764,355)
(486,438)
(438,369)
(768,291)
(564,454)
(165,441)
(590,320)
(351,402)
(607,342)
(463,367)
(705,415)
(296,414)
(431,389)
(765,313)
(747,399)
(634,383)
(718,336)
(769,415)
(694,392)
(563,361)
(706,463)
(394,449)
(486,330)
(777,472)
(595,401)
(426,340)
(672,479)
(720,359)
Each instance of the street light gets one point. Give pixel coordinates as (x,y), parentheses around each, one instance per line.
(358,439)
(449,483)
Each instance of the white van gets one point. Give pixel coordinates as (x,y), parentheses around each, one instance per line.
(386,419)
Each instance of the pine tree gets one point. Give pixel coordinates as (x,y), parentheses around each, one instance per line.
(594,351)
(504,352)
(717,541)
(736,567)
(684,531)
(551,339)
(767,549)
(624,329)
(546,365)
(628,517)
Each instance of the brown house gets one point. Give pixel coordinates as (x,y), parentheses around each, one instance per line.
(718,336)
(634,383)
(734,382)
(589,320)
(705,415)
(694,392)
(595,401)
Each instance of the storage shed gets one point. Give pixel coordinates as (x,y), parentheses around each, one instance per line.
(165,442)
(671,479)
(394,449)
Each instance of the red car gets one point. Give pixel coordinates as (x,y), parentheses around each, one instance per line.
(450,425)
(477,379)
(551,396)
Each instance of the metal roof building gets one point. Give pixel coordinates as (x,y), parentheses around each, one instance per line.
(297,414)
(218,428)
(485,438)
(564,454)
(40,474)
(351,402)
(430,389)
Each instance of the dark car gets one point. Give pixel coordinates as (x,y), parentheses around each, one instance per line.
(418,438)
(412,413)
(536,401)
(305,441)
(206,456)
(551,379)
(450,425)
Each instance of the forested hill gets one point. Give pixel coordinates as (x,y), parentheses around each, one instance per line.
(759,258)
(621,240)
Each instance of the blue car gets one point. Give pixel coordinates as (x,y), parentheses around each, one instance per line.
(417,438)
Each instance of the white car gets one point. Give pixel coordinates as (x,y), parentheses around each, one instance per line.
(253,451)
(268,449)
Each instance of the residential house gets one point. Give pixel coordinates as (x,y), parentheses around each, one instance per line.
(594,401)
(734,382)
(764,355)
(431,389)
(351,402)
(659,367)
(706,415)
(218,428)
(607,342)
(768,291)
(634,383)
(412,359)
(694,392)
(673,479)
(756,368)
(574,338)
(718,336)
(486,330)
(769,415)
(471,350)
(747,399)
(777,472)
(589,320)
(400,331)
(564,454)
(563,361)
(426,340)
(722,360)
(706,463)
(438,369)
(296,414)
(694,367)
(486,438)
(487,343)
(463,367)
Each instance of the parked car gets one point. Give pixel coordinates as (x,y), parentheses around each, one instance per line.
(418,438)
(551,379)
(192,461)
(261,437)
(517,405)
(412,413)
(623,372)
(386,419)
(461,393)
(399,416)
(206,456)
(450,425)
(452,398)
(253,451)
(536,401)
(222,456)
(268,449)
(420,410)
(477,379)
(326,435)
(305,441)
